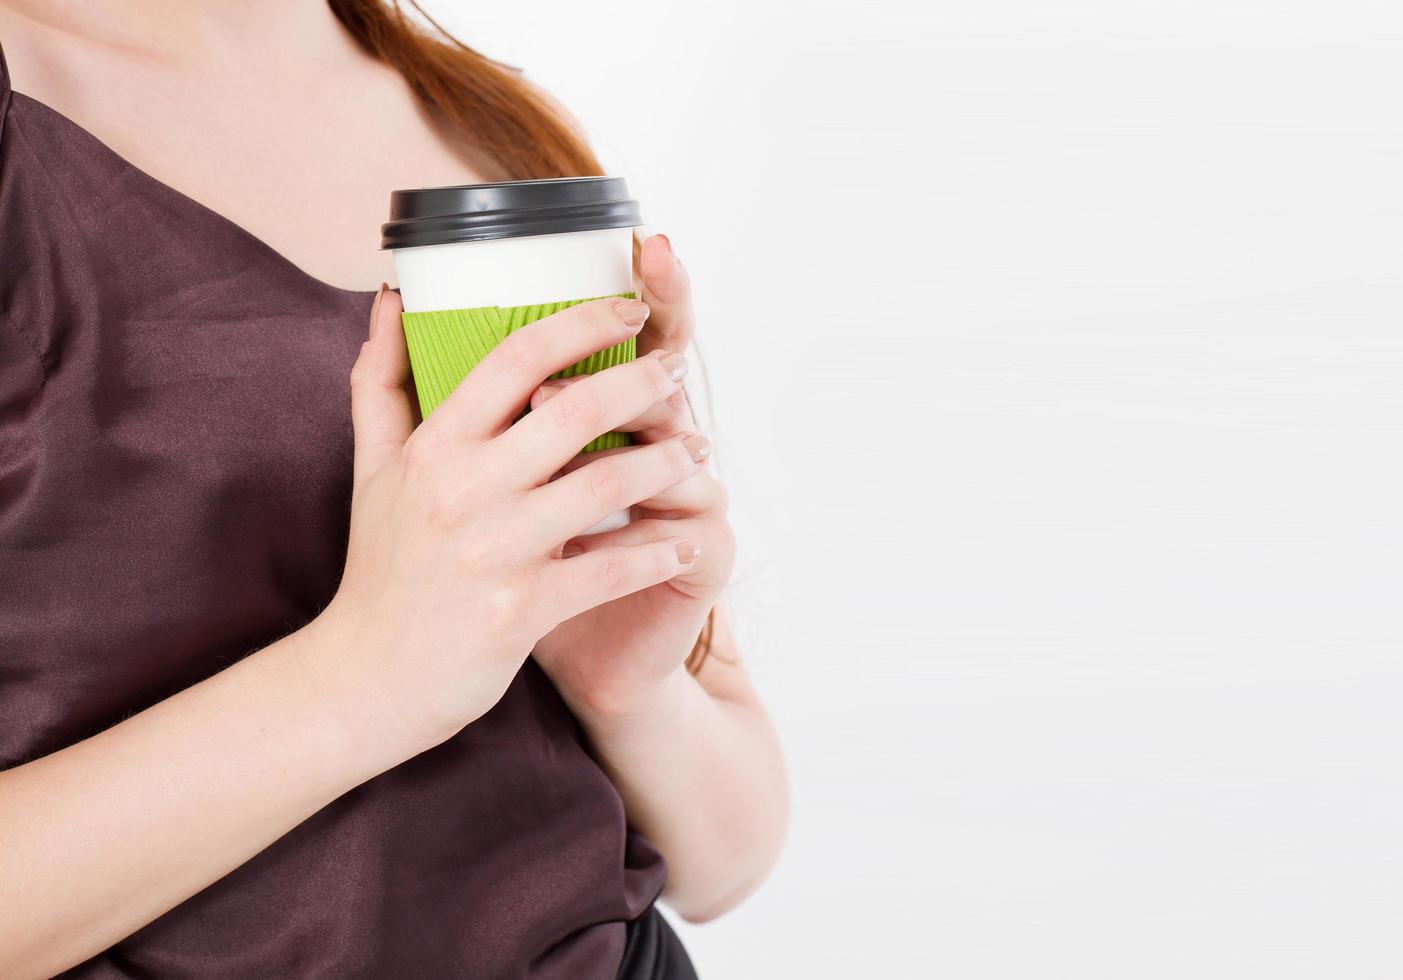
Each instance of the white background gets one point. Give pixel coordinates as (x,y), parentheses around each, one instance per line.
(1056,363)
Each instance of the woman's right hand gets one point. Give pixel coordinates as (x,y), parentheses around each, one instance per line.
(449,578)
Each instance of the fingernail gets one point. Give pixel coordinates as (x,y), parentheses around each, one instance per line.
(698,447)
(670,250)
(554,383)
(571,550)
(632,311)
(375,308)
(687,552)
(676,365)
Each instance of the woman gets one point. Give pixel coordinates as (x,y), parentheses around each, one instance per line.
(287,690)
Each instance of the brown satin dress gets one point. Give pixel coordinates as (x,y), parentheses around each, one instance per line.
(175,466)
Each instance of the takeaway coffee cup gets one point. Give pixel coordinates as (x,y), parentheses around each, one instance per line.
(477,261)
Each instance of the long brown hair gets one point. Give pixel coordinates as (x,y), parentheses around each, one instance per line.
(488,106)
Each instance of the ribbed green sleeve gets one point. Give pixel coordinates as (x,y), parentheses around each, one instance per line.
(444,345)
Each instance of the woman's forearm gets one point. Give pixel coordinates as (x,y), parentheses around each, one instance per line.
(703,778)
(100,838)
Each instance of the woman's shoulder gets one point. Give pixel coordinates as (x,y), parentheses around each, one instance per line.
(47,169)
(16,349)
(4,84)
(25,74)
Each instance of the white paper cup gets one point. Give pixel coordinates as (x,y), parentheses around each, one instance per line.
(515,271)
(462,252)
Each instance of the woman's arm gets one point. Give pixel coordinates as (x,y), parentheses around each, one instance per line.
(703,778)
(102,837)
(695,757)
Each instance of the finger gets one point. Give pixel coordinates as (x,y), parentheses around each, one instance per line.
(547,438)
(382,411)
(497,389)
(702,494)
(714,537)
(601,576)
(715,540)
(662,419)
(565,507)
(667,289)
(637,532)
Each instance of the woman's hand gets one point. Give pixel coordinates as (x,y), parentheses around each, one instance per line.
(451,576)
(616,660)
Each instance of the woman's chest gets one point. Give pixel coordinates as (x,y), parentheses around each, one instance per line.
(177,494)
(304,166)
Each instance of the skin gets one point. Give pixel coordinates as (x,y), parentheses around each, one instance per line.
(459,527)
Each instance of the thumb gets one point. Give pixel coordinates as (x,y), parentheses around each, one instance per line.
(667,289)
(382,412)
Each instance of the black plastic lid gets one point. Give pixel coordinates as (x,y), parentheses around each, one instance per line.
(507,209)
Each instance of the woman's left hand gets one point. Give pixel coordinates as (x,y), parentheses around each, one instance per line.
(620,659)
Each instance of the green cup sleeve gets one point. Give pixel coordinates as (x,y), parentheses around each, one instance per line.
(444,345)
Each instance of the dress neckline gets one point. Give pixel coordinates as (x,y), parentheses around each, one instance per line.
(168,189)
